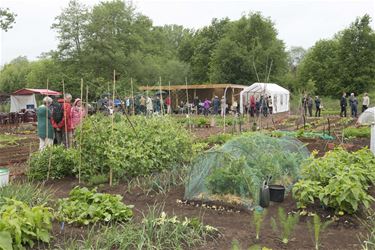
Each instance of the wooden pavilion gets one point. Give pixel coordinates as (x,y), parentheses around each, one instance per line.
(183,93)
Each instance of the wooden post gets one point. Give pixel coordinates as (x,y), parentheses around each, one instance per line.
(50,154)
(131,83)
(187,103)
(161,97)
(113,115)
(65,128)
(80,136)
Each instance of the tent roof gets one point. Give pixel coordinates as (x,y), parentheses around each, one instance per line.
(193,86)
(36,91)
(259,87)
(367,117)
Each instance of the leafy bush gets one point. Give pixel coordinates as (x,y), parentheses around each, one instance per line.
(156,144)
(21,225)
(84,207)
(28,193)
(338,180)
(57,161)
(360,132)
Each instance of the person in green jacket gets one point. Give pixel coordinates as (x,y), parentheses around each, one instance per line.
(45,129)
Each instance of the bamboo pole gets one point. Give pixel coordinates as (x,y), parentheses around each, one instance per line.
(161,97)
(50,154)
(113,115)
(131,83)
(187,103)
(80,135)
(65,128)
(169,96)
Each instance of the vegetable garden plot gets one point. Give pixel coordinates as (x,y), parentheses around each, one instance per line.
(234,172)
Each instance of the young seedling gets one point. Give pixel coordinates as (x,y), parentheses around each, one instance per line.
(286,225)
(318,228)
(258,218)
(235,245)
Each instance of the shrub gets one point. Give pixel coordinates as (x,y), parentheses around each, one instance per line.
(338,180)
(57,161)
(21,225)
(84,207)
(157,144)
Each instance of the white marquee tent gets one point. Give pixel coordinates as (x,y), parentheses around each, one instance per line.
(279,96)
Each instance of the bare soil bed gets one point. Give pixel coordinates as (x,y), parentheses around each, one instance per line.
(342,234)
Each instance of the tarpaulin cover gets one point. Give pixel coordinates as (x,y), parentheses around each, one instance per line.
(18,102)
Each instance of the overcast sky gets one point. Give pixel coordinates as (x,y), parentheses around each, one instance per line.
(299,22)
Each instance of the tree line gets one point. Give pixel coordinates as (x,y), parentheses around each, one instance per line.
(113,35)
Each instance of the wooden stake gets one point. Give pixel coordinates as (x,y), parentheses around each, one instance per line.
(131,83)
(187,103)
(50,154)
(113,115)
(161,97)
(65,128)
(80,136)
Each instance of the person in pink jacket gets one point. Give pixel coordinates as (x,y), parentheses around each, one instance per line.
(77,113)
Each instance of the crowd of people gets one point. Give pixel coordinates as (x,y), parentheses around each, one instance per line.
(57,120)
(353,104)
(308,103)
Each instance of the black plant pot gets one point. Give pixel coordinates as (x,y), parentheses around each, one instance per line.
(277,193)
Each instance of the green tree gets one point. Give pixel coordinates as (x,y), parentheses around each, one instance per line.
(204,42)
(70,26)
(356,55)
(7,19)
(13,75)
(257,52)
(321,65)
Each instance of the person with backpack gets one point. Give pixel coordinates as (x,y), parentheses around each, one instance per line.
(56,117)
(66,122)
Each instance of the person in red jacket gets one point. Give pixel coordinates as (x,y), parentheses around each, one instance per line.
(66,123)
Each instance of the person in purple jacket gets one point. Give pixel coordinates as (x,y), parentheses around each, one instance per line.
(206,106)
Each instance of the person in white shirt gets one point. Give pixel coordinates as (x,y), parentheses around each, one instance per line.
(365,102)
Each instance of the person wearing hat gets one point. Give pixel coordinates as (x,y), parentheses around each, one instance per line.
(77,113)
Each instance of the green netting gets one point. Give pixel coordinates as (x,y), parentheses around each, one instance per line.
(234,172)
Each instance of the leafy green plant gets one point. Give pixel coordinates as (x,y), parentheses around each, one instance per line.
(97,179)
(57,162)
(317,228)
(258,218)
(26,192)
(155,144)
(305,192)
(236,245)
(360,132)
(84,207)
(338,180)
(286,225)
(21,225)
